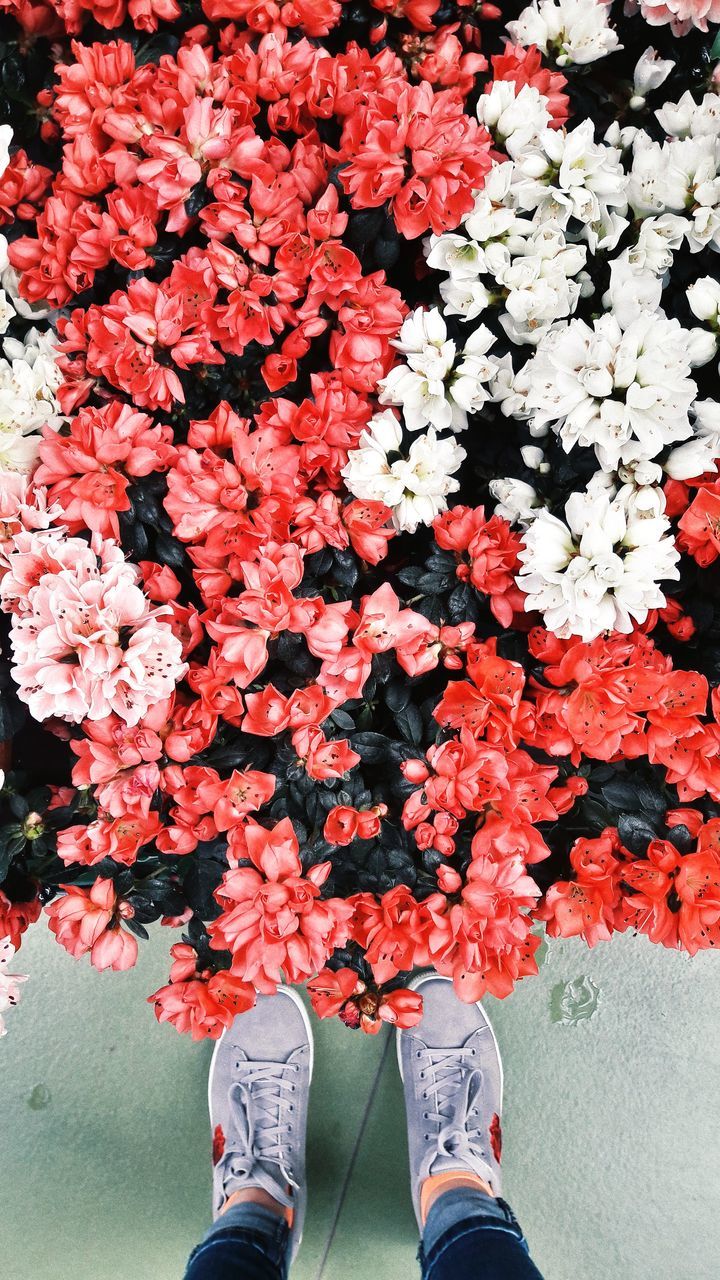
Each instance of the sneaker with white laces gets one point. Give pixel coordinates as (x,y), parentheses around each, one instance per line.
(453,1080)
(258,1097)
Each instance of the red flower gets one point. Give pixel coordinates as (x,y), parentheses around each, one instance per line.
(700,526)
(87,470)
(341,992)
(418,150)
(16,917)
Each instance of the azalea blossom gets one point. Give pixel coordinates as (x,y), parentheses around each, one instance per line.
(571,31)
(438,386)
(414,486)
(84,638)
(90,922)
(626,393)
(197,1001)
(600,569)
(274,921)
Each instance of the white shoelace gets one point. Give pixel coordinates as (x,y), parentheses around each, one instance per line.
(453,1087)
(259,1098)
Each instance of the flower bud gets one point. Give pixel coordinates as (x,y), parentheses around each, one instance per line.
(650,72)
(704,299)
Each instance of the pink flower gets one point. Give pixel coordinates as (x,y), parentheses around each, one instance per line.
(9,982)
(682,15)
(85,640)
(484,941)
(274,920)
(88,922)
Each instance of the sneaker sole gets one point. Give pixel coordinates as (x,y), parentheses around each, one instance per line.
(418,981)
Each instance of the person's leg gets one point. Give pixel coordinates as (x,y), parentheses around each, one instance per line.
(248,1242)
(470,1235)
(258,1094)
(452,1078)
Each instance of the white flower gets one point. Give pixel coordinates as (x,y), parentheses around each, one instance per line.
(466,298)
(427,479)
(681,176)
(646,190)
(368,473)
(414,485)
(493,215)
(540,284)
(463,259)
(650,72)
(599,569)
(573,31)
(469,387)
(515,117)
(433,387)
(632,290)
(419,384)
(687,119)
(29,379)
(6,134)
(701,346)
(658,238)
(701,453)
(9,982)
(534,457)
(704,299)
(692,187)
(7,311)
(574,177)
(625,393)
(516,500)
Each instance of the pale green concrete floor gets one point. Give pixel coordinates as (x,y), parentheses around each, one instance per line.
(612,1126)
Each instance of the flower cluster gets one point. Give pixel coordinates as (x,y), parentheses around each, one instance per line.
(359,497)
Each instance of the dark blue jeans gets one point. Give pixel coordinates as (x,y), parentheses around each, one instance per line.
(467,1236)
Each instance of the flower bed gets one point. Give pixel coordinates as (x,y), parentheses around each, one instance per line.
(360,504)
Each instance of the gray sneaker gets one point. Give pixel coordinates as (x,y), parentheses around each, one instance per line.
(258,1097)
(452,1074)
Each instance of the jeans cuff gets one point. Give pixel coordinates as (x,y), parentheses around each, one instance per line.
(255,1225)
(458,1211)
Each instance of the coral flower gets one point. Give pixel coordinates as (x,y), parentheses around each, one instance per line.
(88,922)
(198,1001)
(274,921)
